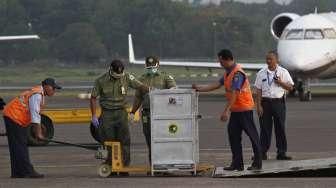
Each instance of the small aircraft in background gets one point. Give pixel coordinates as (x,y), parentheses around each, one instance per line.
(19,37)
(306,47)
(16,37)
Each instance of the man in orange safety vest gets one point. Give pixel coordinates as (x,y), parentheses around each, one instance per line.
(19,113)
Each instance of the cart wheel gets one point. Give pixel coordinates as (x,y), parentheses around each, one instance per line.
(104,170)
(47,131)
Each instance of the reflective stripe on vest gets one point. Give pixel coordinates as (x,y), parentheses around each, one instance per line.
(18,108)
(244,100)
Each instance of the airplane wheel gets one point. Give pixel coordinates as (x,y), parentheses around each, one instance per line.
(47,131)
(309,96)
(104,170)
(305,96)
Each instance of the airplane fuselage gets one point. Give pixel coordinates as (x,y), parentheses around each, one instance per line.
(307,46)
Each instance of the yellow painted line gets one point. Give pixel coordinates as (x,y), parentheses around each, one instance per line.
(64,166)
(75,115)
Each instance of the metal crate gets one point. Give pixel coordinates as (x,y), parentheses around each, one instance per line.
(174,130)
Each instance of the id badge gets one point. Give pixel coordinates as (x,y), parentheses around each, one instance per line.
(123,91)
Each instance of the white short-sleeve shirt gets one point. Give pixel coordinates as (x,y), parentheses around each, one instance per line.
(35,102)
(269,88)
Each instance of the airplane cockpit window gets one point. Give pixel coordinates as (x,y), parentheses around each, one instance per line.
(330,33)
(313,34)
(295,34)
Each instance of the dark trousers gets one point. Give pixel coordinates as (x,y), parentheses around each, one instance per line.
(18,149)
(239,122)
(146,129)
(115,127)
(274,111)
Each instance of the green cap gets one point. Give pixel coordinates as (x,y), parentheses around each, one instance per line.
(152,61)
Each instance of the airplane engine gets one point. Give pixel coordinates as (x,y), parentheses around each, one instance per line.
(280,22)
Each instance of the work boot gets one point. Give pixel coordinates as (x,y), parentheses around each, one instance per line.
(283,157)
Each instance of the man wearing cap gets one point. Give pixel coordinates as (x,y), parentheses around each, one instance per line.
(112,88)
(155,79)
(19,113)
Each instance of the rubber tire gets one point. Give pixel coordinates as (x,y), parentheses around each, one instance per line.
(47,129)
(95,133)
(104,170)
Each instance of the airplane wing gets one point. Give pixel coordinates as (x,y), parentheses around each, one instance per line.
(19,37)
(132,60)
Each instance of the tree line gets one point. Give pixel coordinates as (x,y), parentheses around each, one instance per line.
(92,31)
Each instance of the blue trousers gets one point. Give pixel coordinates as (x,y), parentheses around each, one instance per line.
(239,122)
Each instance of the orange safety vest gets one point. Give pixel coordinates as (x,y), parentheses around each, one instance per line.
(18,108)
(244,100)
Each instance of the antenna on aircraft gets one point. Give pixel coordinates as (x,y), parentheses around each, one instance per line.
(131,56)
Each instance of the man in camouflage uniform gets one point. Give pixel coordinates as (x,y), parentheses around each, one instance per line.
(112,88)
(154,79)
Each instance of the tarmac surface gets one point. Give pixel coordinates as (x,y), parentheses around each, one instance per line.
(311,131)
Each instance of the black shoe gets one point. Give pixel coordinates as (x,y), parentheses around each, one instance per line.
(17,176)
(113,174)
(283,157)
(254,167)
(123,174)
(232,168)
(35,175)
(32,175)
(263,157)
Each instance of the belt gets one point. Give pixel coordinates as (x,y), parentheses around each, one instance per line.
(113,109)
(273,99)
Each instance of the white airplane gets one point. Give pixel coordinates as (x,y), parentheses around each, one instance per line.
(250,66)
(306,47)
(19,37)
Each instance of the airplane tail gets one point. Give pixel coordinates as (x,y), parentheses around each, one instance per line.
(131,57)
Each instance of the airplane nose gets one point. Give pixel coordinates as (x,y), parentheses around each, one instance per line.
(293,62)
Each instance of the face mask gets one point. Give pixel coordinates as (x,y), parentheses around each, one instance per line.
(152,70)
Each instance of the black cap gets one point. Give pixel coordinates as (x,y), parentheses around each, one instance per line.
(51,82)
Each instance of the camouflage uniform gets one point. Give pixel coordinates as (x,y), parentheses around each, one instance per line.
(112,93)
(159,80)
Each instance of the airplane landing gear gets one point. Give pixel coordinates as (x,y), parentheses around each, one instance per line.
(304,90)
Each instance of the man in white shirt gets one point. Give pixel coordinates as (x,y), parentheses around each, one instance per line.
(271,85)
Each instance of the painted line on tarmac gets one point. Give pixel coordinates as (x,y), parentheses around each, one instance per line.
(224,149)
(205,149)
(60,166)
(65,166)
